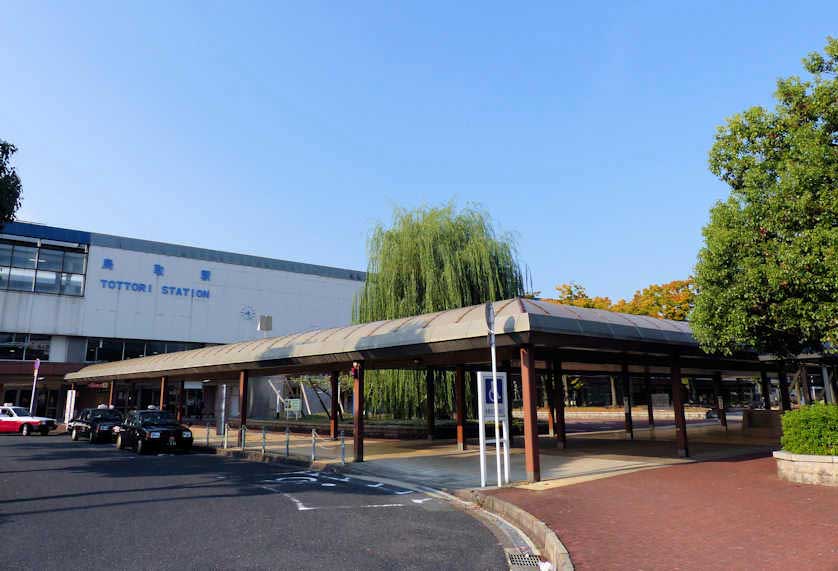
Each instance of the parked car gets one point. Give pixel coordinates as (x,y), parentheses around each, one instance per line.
(17,419)
(95,424)
(153,430)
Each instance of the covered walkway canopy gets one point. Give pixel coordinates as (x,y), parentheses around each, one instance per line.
(531,334)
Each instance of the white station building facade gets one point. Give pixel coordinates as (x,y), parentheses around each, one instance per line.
(69,298)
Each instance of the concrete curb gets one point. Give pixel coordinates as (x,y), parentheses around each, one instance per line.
(544,538)
(269,458)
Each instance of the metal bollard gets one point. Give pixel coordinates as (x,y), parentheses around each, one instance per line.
(287,442)
(342,449)
(243,432)
(208,429)
(264,440)
(313,444)
(226,430)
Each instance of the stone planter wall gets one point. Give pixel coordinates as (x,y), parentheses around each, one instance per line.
(807,469)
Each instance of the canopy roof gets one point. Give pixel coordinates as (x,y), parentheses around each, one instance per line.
(444,338)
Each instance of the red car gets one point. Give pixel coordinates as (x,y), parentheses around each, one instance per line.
(16,419)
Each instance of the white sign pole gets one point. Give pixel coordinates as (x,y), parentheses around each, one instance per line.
(490,323)
(34,382)
(481,429)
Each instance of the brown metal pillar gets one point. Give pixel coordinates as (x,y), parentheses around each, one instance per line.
(430,402)
(805,387)
(506,367)
(333,412)
(765,388)
(460,404)
(721,403)
(650,408)
(678,407)
(785,398)
(358,410)
(181,400)
(164,387)
(558,403)
(243,404)
(628,422)
(549,380)
(531,458)
(110,393)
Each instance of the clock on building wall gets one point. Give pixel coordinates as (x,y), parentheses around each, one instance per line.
(247,312)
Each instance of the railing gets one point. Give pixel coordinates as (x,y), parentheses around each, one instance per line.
(299,446)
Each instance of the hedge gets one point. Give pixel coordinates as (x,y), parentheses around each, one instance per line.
(811,430)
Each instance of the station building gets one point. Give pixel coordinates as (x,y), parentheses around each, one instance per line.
(70,298)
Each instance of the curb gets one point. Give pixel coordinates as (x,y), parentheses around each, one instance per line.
(544,538)
(256,456)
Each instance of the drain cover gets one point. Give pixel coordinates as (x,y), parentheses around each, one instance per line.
(518,560)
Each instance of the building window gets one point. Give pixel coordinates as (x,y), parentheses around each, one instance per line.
(118,349)
(41,269)
(24,347)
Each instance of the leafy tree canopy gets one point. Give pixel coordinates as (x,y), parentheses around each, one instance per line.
(767,275)
(673,300)
(10,186)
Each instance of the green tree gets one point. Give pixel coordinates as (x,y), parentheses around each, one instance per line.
(431,259)
(767,276)
(10,186)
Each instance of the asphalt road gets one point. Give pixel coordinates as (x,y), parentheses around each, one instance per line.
(73,505)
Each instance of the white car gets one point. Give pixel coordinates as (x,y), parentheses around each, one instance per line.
(17,419)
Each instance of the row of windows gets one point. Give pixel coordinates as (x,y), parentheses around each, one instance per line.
(24,347)
(120,349)
(41,269)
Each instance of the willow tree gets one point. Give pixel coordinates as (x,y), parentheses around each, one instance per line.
(431,259)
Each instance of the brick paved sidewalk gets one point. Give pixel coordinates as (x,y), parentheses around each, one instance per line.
(732,514)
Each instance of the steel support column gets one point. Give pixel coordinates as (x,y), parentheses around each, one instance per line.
(785,398)
(430,403)
(650,408)
(828,386)
(558,403)
(333,407)
(765,388)
(358,411)
(181,400)
(678,407)
(549,380)
(110,393)
(531,459)
(243,404)
(460,404)
(628,422)
(164,388)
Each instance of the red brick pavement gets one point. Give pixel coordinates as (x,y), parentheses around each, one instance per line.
(709,515)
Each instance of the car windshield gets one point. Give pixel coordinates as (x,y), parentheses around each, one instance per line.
(20,411)
(105,415)
(150,418)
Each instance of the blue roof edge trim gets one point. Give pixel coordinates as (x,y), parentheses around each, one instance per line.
(33,230)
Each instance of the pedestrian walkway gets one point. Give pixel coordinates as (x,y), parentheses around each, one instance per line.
(726,514)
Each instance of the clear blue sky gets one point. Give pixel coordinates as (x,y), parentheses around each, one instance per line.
(288,129)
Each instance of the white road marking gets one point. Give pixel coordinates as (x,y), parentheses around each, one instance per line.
(378,485)
(328,485)
(421,501)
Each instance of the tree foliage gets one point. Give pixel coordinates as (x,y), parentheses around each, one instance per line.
(431,259)
(767,275)
(10,185)
(673,300)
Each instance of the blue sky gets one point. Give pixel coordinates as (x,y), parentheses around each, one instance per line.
(289,129)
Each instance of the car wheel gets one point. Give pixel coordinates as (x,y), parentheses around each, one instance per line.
(26,430)
(45,432)
(74,435)
(120,443)
(92,436)
(141,448)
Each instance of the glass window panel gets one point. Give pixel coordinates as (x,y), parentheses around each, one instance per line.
(109,350)
(4,278)
(92,346)
(72,284)
(155,347)
(38,348)
(50,259)
(134,349)
(175,347)
(21,280)
(47,282)
(11,346)
(74,262)
(5,254)
(24,257)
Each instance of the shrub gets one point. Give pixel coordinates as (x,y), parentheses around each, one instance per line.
(811,430)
